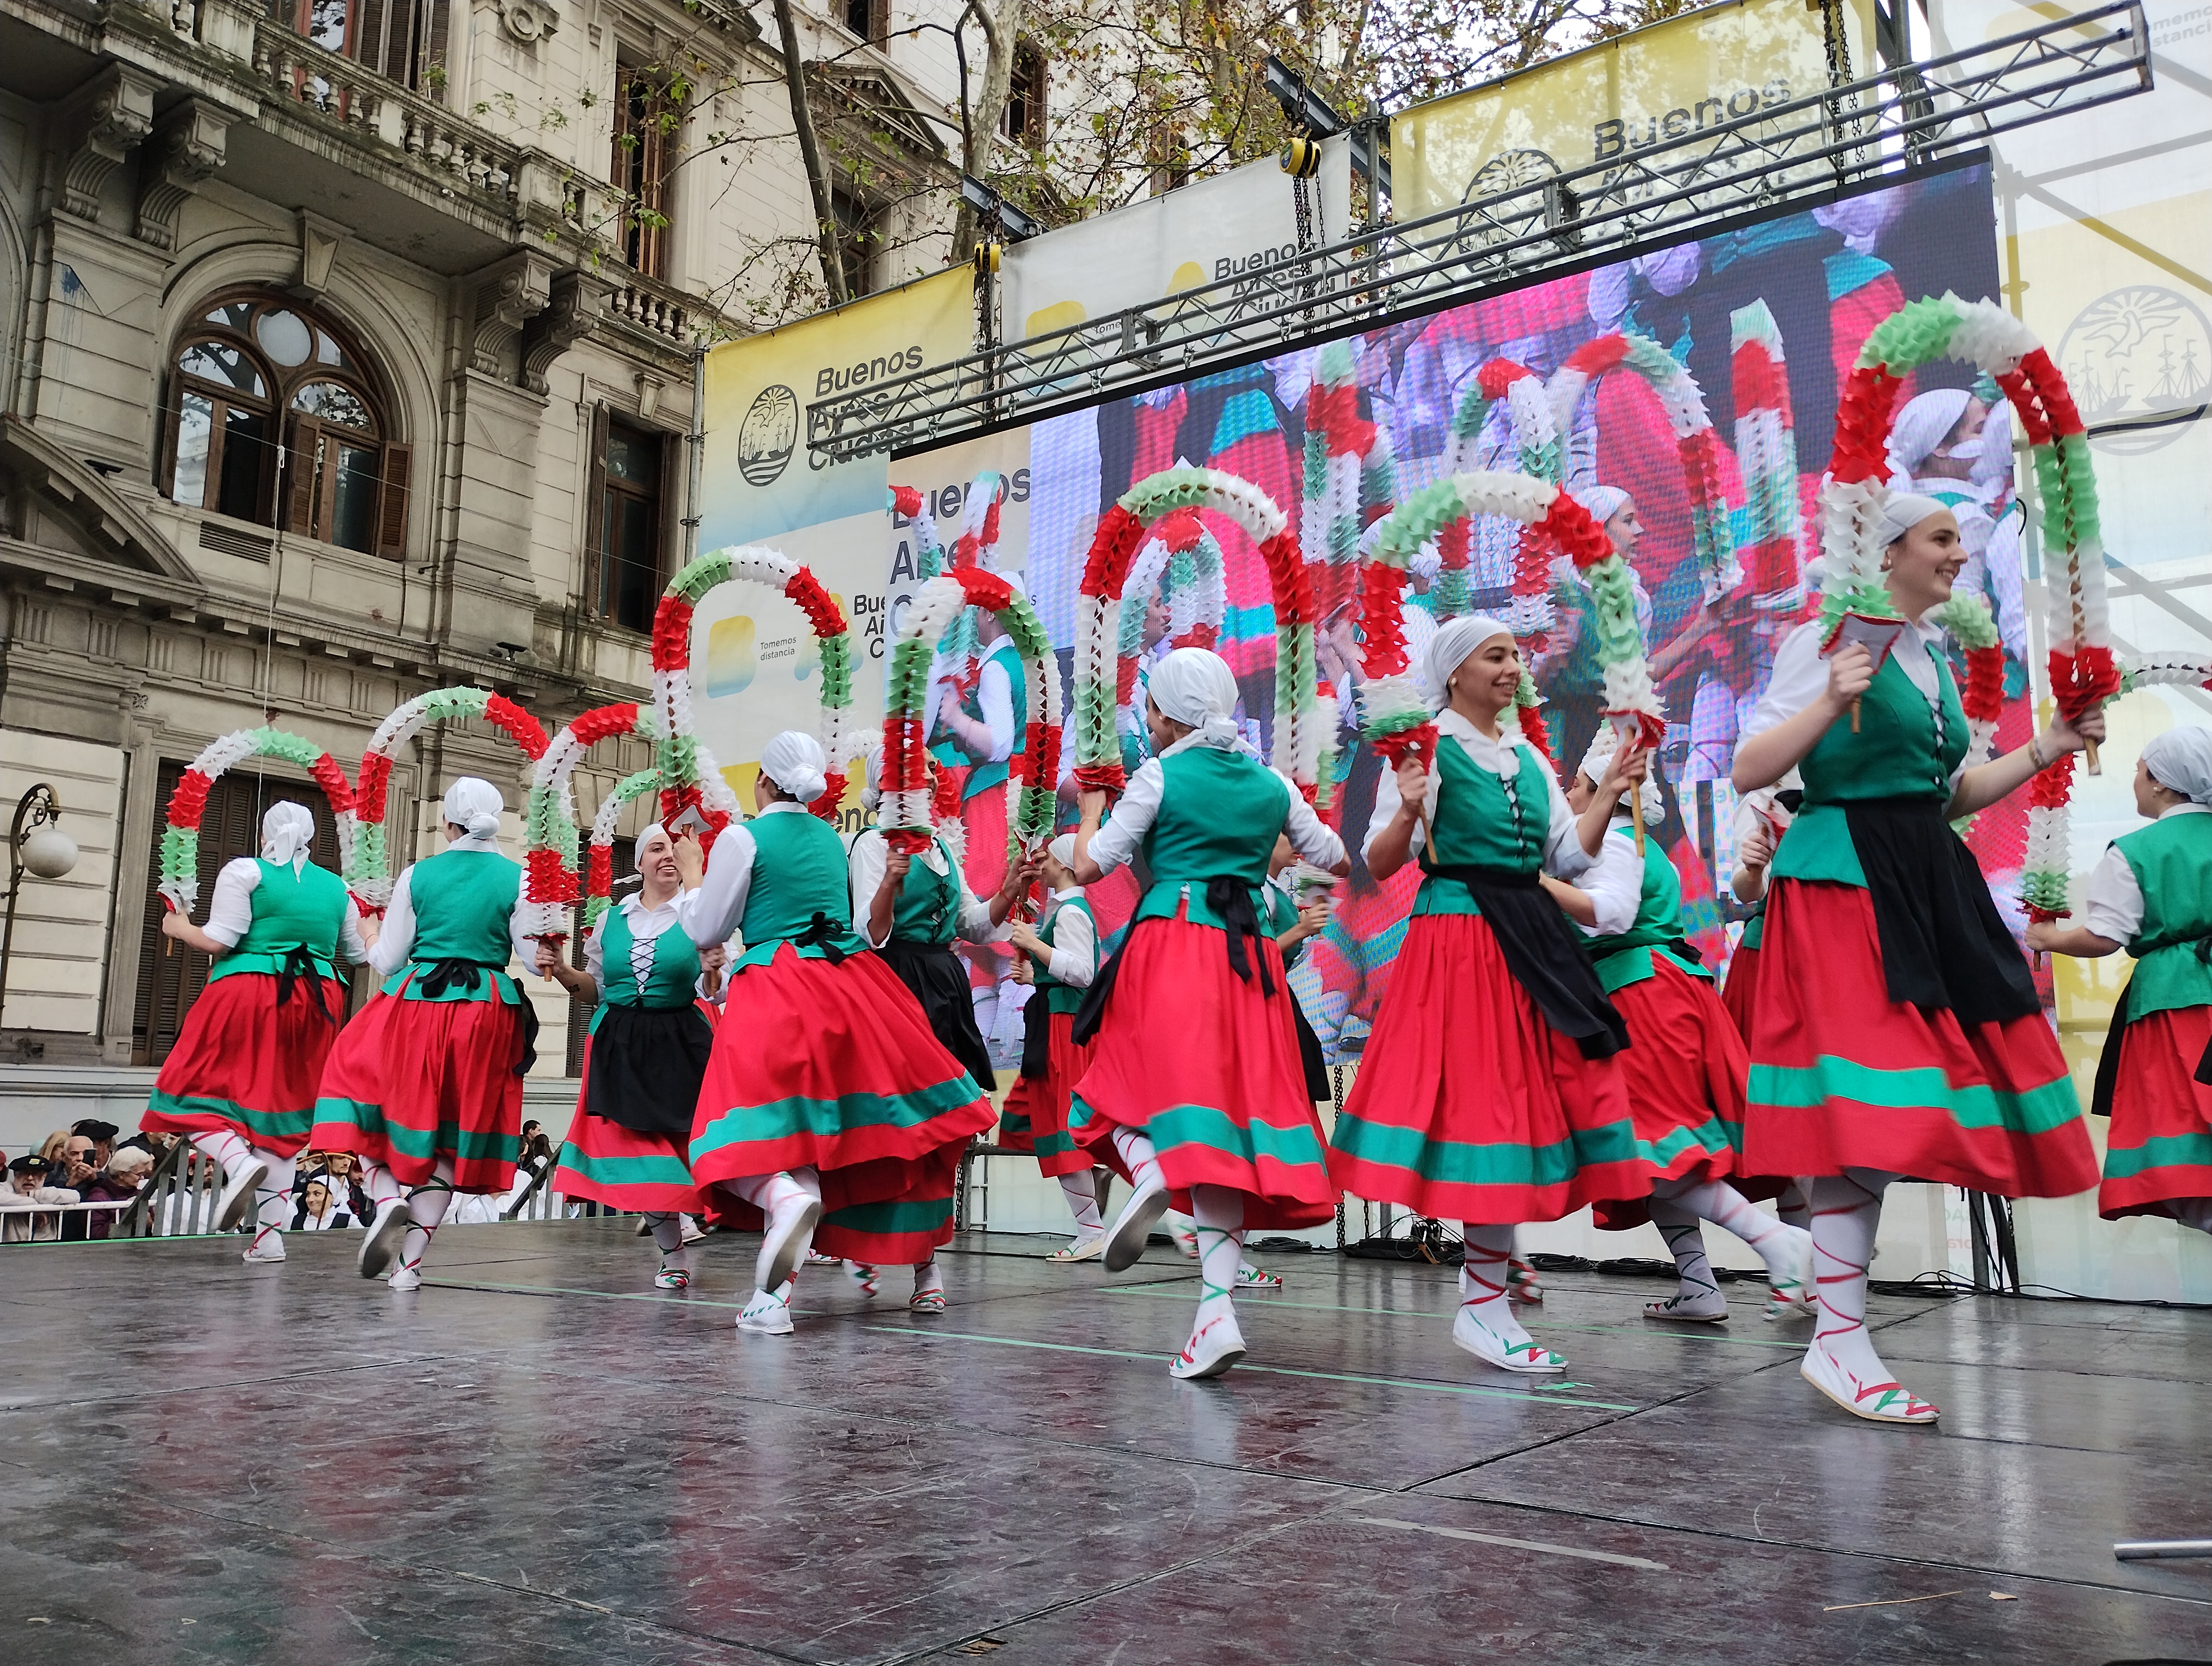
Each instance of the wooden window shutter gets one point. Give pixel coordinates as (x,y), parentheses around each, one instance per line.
(434,52)
(594,509)
(303,456)
(669,547)
(393,484)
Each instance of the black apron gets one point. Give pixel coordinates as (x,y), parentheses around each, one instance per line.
(1545,954)
(647,1065)
(939,978)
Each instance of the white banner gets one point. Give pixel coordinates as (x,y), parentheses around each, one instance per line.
(1198,234)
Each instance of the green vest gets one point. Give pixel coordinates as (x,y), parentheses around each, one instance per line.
(1220,813)
(2171,860)
(1898,753)
(1754,927)
(1624,958)
(670,985)
(302,911)
(1478,823)
(798,872)
(927,906)
(1279,915)
(985,776)
(1063,997)
(462,901)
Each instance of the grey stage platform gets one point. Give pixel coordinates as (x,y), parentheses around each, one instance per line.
(535,1460)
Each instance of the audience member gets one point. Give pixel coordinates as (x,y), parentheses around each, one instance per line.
(102,1135)
(318,1210)
(119,1183)
(26,1190)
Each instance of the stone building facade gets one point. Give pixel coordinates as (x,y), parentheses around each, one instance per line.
(333,372)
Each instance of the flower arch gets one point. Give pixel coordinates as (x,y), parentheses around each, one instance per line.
(369,867)
(180,839)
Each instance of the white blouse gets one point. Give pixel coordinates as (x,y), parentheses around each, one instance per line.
(1801,677)
(2114,907)
(872,855)
(395,941)
(1118,840)
(230,910)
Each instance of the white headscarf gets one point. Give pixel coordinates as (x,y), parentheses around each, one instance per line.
(655,834)
(1922,425)
(1455,640)
(2181,759)
(1062,850)
(793,762)
(872,795)
(1603,745)
(1603,503)
(474,806)
(286,830)
(1195,685)
(1903,512)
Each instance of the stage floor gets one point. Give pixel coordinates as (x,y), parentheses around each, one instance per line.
(535,1459)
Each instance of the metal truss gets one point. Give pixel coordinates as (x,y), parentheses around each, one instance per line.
(1791,156)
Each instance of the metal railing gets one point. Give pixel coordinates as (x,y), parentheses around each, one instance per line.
(1793,156)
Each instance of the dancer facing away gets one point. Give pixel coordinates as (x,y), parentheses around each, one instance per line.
(2151,894)
(646,1057)
(1897,1030)
(826,1099)
(1489,1094)
(241,1080)
(1058,958)
(426,1084)
(1685,1066)
(909,910)
(1195,1084)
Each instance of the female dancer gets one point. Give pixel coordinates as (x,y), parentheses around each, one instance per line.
(1489,1094)
(1897,1030)
(1060,958)
(1685,1065)
(241,1080)
(1195,1084)
(646,1057)
(831,1094)
(426,1084)
(2151,895)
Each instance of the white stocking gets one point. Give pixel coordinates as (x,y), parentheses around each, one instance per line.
(771,1193)
(668,1239)
(1776,1242)
(1081,1192)
(379,1185)
(1677,1222)
(1138,1156)
(426,1208)
(1846,1212)
(1219,1212)
(272,1203)
(227,1147)
(926,1278)
(1482,1279)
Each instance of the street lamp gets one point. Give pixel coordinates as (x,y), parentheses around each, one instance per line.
(36,846)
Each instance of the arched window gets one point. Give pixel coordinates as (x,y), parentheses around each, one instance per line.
(274,418)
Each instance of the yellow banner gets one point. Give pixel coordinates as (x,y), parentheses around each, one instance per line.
(757,478)
(1699,70)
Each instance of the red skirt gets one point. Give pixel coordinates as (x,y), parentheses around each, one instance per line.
(891,1212)
(832,1065)
(1842,1077)
(244,1063)
(625,1168)
(1739,992)
(1207,1066)
(1035,1116)
(2159,1150)
(1468,1106)
(411,1081)
(1685,1067)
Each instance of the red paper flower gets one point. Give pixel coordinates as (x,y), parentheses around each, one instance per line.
(671,633)
(1382,619)
(1105,778)
(1982,697)
(1499,374)
(906,501)
(368,791)
(327,774)
(985,589)
(833,796)
(1111,546)
(603,721)
(1593,359)
(521,724)
(600,870)
(188,799)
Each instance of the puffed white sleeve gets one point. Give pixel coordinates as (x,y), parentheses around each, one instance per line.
(1133,818)
(995,694)
(1614,882)
(2115,902)
(1074,960)
(1311,837)
(1564,855)
(595,959)
(870,857)
(1799,675)
(351,941)
(1387,800)
(974,925)
(394,942)
(230,906)
(524,945)
(711,913)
